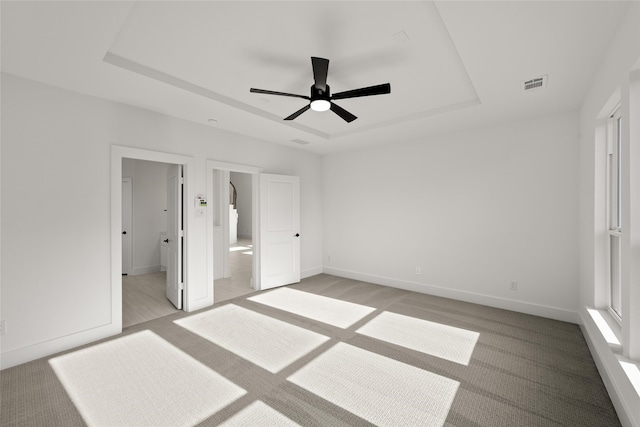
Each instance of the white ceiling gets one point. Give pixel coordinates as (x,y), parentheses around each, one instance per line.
(451,64)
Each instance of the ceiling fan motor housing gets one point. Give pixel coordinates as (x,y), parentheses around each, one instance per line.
(317,93)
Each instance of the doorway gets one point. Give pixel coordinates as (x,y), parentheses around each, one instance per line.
(245,261)
(275,219)
(234,256)
(147,263)
(118,154)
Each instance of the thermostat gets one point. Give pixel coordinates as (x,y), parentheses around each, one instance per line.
(201,201)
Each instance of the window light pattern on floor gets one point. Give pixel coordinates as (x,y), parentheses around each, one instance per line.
(383,391)
(269,343)
(443,341)
(259,413)
(142,380)
(323,309)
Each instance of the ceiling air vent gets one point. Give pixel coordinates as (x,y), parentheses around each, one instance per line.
(534,84)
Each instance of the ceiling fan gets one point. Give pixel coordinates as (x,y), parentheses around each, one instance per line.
(321,98)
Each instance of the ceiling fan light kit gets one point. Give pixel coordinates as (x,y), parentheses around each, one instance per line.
(320,105)
(321,98)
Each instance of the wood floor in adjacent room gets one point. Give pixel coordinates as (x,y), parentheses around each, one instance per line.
(241,264)
(144,295)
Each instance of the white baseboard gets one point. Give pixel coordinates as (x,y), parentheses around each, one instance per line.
(311,272)
(26,354)
(491,301)
(623,396)
(145,270)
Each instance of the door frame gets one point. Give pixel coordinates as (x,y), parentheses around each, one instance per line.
(213,165)
(118,153)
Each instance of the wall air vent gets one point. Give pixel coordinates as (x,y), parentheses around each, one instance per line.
(534,84)
(300,141)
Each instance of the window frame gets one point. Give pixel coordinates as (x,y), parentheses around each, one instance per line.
(614,218)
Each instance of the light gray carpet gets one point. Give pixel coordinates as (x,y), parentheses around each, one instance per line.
(522,370)
(142,380)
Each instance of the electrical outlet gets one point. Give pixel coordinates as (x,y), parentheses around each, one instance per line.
(418,270)
(3,327)
(328,257)
(514,286)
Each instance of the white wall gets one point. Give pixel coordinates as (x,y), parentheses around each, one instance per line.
(611,84)
(149,212)
(56,148)
(473,210)
(244,204)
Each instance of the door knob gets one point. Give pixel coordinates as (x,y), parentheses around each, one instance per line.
(124,232)
(166,240)
(297,235)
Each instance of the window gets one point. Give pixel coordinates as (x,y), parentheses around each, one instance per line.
(614,210)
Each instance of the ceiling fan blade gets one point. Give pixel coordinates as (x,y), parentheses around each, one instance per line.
(347,116)
(271,92)
(320,70)
(297,113)
(365,91)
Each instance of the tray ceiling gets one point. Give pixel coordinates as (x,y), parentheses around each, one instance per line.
(451,64)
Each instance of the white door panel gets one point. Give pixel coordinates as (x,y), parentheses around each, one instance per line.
(279,230)
(174,235)
(127,221)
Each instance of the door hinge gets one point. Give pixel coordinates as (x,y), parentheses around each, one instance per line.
(181,233)
(181,286)
(181,180)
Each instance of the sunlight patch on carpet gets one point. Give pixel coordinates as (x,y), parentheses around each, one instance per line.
(323,309)
(142,380)
(269,343)
(443,341)
(259,413)
(380,390)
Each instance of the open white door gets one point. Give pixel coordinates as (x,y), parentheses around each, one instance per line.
(279,230)
(174,235)
(127,220)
